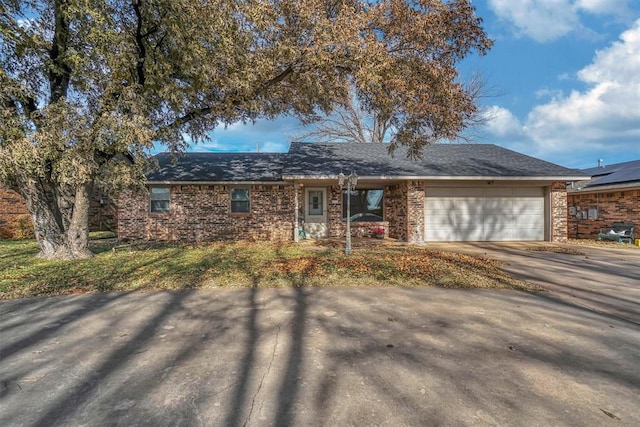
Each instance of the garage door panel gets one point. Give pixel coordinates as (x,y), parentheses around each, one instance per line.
(529,221)
(445,205)
(439,235)
(532,234)
(446,221)
(498,234)
(533,206)
(497,206)
(470,233)
(484,214)
(497,220)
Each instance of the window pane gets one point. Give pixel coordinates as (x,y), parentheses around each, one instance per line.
(159,206)
(240,200)
(366,205)
(160,193)
(315,203)
(160,199)
(239,206)
(240,194)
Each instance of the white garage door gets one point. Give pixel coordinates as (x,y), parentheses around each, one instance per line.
(484,214)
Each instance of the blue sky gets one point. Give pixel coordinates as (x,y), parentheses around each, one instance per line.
(566,74)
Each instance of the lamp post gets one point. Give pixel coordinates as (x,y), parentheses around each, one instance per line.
(351,180)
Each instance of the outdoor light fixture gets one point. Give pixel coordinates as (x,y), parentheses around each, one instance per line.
(350,181)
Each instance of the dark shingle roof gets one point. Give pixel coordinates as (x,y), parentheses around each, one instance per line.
(218,167)
(617,173)
(439,160)
(316,160)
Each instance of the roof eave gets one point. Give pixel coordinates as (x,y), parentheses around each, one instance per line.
(168,182)
(604,188)
(438,178)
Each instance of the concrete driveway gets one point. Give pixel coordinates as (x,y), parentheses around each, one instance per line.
(324,356)
(604,279)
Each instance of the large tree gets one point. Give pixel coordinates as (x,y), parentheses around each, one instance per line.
(86,87)
(352,122)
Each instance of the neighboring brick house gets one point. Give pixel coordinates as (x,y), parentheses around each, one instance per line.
(15,221)
(463,192)
(14,215)
(611,195)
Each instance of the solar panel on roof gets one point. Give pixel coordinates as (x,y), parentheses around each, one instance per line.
(624,175)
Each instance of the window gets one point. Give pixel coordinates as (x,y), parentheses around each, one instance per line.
(366,205)
(240,200)
(160,199)
(316,199)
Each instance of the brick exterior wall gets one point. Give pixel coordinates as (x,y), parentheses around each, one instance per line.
(14,213)
(394,212)
(202,213)
(558,206)
(613,206)
(404,210)
(103,213)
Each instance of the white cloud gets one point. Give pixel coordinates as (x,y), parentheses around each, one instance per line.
(603,118)
(541,20)
(611,7)
(610,106)
(553,94)
(502,123)
(548,20)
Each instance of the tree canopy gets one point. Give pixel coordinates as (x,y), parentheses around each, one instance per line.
(86,87)
(351,122)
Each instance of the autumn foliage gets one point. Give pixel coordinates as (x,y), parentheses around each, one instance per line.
(87,88)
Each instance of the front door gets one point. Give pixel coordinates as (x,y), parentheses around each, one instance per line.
(315,213)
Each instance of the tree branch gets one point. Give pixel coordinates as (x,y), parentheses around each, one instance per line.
(59,70)
(142,51)
(203,111)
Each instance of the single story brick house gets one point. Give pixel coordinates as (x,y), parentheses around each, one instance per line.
(456,192)
(611,195)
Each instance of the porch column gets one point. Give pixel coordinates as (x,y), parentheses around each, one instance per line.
(415,211)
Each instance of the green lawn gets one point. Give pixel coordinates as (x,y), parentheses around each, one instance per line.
(123,267)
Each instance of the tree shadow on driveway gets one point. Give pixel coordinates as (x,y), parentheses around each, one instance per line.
(315,356)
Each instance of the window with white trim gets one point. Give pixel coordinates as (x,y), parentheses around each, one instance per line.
(240,200)
(160,199)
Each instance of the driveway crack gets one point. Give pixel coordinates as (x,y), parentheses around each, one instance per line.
(273,356)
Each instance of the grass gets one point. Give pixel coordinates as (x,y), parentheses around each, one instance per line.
(120,267)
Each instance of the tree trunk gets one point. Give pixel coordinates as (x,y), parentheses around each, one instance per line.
(61,229)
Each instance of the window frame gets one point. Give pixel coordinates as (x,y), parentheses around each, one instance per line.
(152,199)
(237,201)
(380,209)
